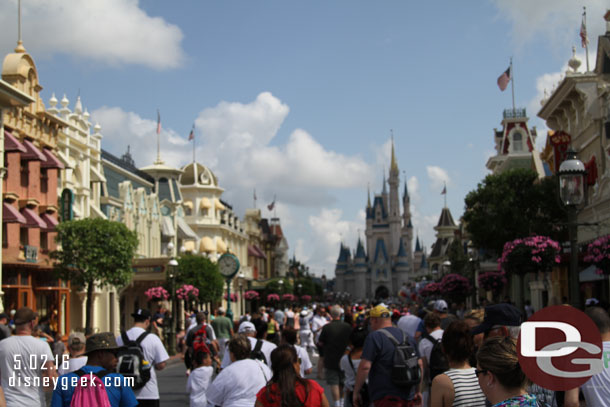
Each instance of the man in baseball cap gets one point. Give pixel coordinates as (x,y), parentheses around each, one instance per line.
(76,347)
(258,346)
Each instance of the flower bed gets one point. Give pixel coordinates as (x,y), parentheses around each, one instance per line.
(289,297)
(273,297)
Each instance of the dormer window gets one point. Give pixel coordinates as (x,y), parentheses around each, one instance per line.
(517,141)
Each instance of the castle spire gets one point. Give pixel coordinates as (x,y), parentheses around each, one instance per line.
(368,196)
(384,191)
(393,165)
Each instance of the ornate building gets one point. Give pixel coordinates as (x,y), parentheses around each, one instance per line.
(388,260)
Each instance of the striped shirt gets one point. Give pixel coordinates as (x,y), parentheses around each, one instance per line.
(466,389)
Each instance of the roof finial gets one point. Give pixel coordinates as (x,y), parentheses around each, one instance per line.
(393,165)
(20,48)
(368,195)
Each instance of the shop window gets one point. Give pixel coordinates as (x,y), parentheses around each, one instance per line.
(517,142)
(23,236)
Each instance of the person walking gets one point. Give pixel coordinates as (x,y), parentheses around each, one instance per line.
(199,379)
(289,337)
(223,328)
(24,357)
(350,361)
(305,333)
(154,352)
(249,330)
(101,350)
(377,361)
(77,357)
(287,387)
(333,341)
(458,386)
(434,333)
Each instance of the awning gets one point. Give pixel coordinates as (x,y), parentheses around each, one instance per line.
(262,253)
(590,274)
(167,227)
(10,214)
(255,251)
(97,212)
(219,204)
(188,204)
(189,245)
(206,245)
(50,221)
(32,220)
(205,203)
(96,176)
(221,246)
(52,161)
(185,231)
(32,153)
(12,144)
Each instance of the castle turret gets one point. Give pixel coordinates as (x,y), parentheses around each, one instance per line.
(394,205)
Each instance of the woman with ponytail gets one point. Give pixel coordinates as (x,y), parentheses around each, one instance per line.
(286,387)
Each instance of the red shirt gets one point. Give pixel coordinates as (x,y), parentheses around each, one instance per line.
(314,395)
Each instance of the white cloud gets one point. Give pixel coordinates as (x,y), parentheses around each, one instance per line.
(114,32)
(413,187)
(438,176)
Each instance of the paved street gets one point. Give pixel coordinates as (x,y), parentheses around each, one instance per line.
(172,383)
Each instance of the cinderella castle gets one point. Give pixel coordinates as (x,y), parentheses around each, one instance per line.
(389,261)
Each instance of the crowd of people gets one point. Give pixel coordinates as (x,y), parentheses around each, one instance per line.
(447,357)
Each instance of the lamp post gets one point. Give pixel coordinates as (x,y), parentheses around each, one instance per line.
(571,179)
(240,280)
(172,264)
(446,267)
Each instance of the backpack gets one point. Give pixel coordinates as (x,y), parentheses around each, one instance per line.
(131,362)
(405,367)
(257,353)
(90,392)
(200,339)
(438,361)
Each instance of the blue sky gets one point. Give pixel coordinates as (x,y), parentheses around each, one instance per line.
(297,99)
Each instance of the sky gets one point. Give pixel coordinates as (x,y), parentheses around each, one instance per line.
(298,100)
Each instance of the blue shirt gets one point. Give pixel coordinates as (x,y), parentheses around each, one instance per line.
(119,396)
(379,350)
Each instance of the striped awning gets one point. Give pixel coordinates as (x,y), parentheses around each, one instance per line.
(10,214)
(205,203)
(184,230)
(52,161)
(167,227)
(50,221)
(32,220)
(218,205)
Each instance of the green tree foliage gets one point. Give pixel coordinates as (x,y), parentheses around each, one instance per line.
(94,251)
(458,259)
(511,205)
(202,273)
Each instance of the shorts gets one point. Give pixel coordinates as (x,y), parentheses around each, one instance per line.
(334,377)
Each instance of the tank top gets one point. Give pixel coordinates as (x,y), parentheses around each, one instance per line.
(466,389)
(271,327)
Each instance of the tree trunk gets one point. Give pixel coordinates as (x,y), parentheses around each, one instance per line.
(88,308)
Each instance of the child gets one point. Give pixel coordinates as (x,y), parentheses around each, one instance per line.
(350,361)
(199,379)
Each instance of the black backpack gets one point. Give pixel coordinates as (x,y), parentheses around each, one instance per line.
(257,353)
(131,361)
(438,361)
(405,367)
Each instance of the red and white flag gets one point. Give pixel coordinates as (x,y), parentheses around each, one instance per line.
(192,133)
(271,205)
(444,191)
(584,40)
(504,79)
(158,122)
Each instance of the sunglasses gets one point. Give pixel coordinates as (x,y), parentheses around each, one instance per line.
(477,372)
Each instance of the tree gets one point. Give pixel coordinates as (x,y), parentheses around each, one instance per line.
(458,258)
(511,205)
(202,273)
(94,251)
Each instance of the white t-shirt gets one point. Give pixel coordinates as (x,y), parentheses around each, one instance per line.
(408,324)
(425,345)
(197,385)
(18,365)
(73,365)
(267,348)
(316,325)
(154,353)
(305,361)
(350,374)
(238,383)
(597,389)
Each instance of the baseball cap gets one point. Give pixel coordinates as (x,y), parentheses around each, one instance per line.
(380,311)
(498,314)
(24,315)
(141,313)
(246,326)
(76,338)
(588,303)
(441,306)
(304,313)
(220,310)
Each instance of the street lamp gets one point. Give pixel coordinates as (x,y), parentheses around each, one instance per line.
(240,279)
(571,178)
(281,283)
(446,266)
(173,268)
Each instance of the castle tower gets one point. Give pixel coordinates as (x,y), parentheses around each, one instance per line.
(394,205)
(407,228)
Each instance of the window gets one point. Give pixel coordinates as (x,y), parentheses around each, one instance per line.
(23,236)
(25,173)
(517,142)
(44,181)
(44,240)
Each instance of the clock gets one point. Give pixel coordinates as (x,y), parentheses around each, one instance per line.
(204,178)
(228,265)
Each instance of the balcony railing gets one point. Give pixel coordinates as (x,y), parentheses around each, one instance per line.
(514,113)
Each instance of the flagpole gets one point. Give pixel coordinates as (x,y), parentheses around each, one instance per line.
(194,147)
(512,81)
(445,189)
(584,16)
(158,138)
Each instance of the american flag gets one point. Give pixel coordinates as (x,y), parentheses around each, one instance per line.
(504,79)
(192,133)
(444,192)
(158,122)
(583,33)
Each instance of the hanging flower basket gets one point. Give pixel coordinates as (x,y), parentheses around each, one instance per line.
(454,285)
(492,281)
(305,298)
(251,295)
(156,293)
(531,254)
(430,290)
(598,254)
(289,297)
(273,297)
(187,292)
(234,297)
